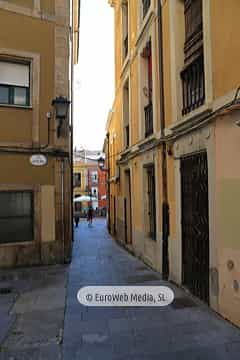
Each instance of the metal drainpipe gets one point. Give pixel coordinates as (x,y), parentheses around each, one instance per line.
(165,204)
(72,109)
(71,124)
(108,172)
(62,209)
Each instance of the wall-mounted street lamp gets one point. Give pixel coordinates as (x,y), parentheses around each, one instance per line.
(101,163)
(61,106)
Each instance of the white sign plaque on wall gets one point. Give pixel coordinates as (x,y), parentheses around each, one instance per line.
(38,160)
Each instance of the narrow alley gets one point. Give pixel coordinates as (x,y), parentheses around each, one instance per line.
(41,318)
(184,330)
(119,150)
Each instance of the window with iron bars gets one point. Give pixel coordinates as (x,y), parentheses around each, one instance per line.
(148,109)
(148,113)
(193,85)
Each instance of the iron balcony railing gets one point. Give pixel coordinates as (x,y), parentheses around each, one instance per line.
(148,111)
(193,85)
(145,5)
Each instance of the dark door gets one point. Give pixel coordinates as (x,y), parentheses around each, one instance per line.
(128,209)
(151,202)
(195,225)
(125,221)
(114,214)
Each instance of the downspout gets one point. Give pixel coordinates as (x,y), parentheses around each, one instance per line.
(71,123)
(62,209)
(108,181)
(72,109)
(165,204)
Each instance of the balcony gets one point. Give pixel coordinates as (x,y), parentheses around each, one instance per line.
(193,85)
(145,6)
(125,47)
(148,111)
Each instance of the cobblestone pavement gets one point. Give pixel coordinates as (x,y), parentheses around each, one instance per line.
(184,330)
(32,310)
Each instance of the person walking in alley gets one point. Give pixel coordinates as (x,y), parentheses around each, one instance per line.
(76,217)
(90,216)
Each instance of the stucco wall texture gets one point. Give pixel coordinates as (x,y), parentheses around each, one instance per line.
(227,217)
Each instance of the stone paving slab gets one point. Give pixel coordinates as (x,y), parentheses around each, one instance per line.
(36,309)
(36,329)
(40,299)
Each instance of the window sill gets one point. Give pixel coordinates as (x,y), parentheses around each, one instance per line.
(148,139)
(126,151)
(9,106)
(192,117)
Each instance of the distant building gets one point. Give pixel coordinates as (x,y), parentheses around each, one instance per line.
(89,180)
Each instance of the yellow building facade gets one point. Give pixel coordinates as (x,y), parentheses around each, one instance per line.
(80,172)
(134,147)
(36,59)
(173,141)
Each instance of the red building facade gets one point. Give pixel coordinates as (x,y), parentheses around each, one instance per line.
(97,185)
(102,188)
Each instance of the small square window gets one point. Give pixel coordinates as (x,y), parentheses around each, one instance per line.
(16,216)
(14,83)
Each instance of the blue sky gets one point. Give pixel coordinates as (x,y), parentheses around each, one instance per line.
(94,74)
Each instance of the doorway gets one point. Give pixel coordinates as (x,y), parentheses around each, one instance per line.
(128,209)
(195,225)
(114,216)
